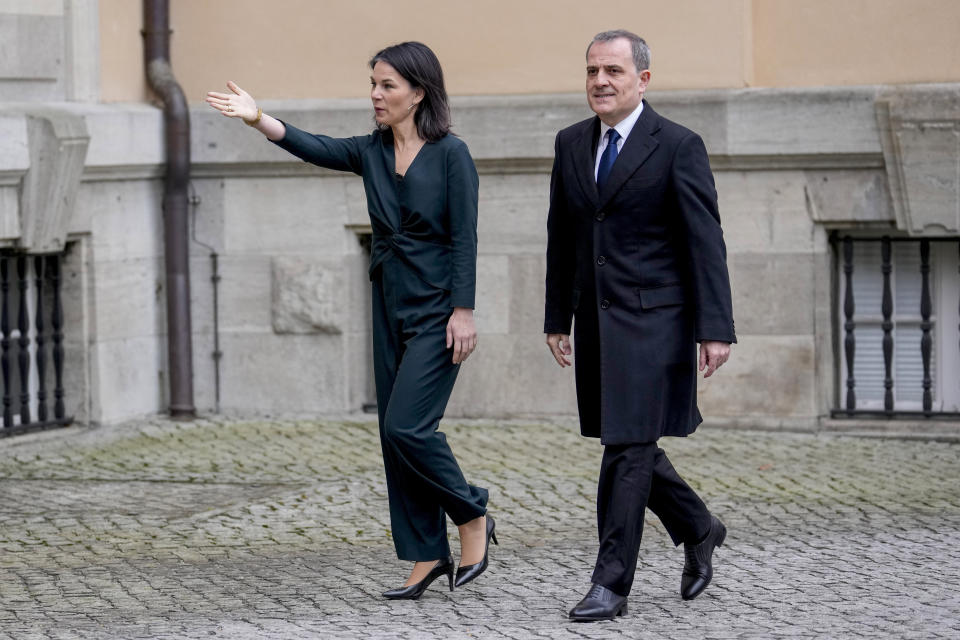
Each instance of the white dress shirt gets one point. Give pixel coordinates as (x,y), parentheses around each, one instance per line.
(624,127)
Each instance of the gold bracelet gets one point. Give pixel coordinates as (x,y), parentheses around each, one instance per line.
(253,123)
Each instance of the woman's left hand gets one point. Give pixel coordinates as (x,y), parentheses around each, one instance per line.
(461,334)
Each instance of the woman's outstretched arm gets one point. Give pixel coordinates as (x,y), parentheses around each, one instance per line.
(240,104)
(342,154)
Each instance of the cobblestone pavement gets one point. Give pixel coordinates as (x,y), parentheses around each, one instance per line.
(279,529)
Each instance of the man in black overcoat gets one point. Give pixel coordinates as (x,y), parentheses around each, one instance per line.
(637,262)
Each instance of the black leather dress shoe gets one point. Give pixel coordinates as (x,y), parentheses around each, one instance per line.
(599,604)
(698,566)
(414,591)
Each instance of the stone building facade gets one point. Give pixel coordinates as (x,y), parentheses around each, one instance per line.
(795,167)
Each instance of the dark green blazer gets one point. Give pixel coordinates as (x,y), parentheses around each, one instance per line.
(428,218)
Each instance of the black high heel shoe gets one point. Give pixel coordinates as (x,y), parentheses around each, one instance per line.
(468,573)
(414,591)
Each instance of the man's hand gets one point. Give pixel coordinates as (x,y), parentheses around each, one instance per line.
(712,355)
(560,348)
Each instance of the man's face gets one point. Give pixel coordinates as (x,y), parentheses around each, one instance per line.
(614,86)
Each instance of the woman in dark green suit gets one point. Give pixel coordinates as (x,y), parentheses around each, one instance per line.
(421,187)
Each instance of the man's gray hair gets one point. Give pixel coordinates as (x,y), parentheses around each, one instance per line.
(641,52)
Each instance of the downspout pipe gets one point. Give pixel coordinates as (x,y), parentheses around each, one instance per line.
(176,120)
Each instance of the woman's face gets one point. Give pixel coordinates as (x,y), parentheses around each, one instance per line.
(392,95)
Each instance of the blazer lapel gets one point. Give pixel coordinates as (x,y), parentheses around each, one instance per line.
(584,159)
(636,149)
(387,208)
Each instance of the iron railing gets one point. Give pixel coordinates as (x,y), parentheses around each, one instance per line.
(845,308)
(30,287)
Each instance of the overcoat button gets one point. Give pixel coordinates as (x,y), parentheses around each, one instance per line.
(602,260)
(601,216)
(604,304)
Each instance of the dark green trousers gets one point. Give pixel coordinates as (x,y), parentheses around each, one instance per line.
(414,375)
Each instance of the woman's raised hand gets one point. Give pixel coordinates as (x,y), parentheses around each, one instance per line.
(238,104)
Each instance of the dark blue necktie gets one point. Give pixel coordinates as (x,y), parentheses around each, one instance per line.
(608,158)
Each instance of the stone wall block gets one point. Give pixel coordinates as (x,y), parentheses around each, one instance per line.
(298,215)
(765,376)
(58,148)
(31,46)
(513,213)
(492,313)
(527,291)
(14,162)
(15,156)
(128,378)
(209,217)
(764,211)
(920,134)
(845,196)
(130,299)
(244,293)
(9,214)
(306,295)
(512,375)
(77,307)
(834,121)
(773,294)
(123,218)
(533,123)
(290,374)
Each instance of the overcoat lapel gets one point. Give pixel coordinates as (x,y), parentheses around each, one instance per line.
(584,160)
(636,149)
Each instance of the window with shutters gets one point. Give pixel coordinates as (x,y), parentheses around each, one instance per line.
(891,371)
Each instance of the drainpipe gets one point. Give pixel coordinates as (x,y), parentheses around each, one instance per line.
(176,120)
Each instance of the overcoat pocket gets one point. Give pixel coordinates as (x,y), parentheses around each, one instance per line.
(661,296)
(642,182)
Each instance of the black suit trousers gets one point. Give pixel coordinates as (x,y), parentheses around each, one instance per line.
(632,478)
